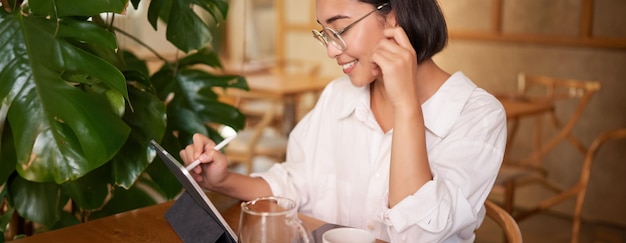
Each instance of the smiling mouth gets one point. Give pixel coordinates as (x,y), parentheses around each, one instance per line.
(348,65)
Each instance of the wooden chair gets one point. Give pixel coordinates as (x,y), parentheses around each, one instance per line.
(580,188)
(509,226)
(529,169)
(258,138)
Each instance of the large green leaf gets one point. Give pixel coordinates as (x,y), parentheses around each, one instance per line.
(194,94)
(158,9)
(62,8)
(124,200)
(147,123)
(185,28)
(90,191)
(8,161)
(39,202)
(60,131)
(67,219)
(217,8)
(81,66)
(15,72)
(203,56)
(197,33)
(5,217)
(163,180)
(134,64)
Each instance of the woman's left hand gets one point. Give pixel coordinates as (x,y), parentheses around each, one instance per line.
(397,61)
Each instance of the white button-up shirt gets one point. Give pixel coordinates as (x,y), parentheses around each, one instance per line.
(338,157)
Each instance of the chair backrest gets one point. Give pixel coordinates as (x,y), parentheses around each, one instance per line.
(555,88)
(552,89)
(585,173)
(509,226)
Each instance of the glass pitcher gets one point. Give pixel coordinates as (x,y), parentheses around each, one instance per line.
(271,220)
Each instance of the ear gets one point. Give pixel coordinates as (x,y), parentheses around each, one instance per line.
(390,19)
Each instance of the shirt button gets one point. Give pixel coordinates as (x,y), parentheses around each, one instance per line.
(370,227)
(377,175)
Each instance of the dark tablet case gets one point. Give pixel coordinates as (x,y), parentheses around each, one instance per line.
(193,216)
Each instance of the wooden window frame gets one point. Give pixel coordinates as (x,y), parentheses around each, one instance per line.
(585,39)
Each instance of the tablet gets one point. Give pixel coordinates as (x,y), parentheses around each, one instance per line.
(194,190)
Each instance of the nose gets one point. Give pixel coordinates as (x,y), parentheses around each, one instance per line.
(332,51)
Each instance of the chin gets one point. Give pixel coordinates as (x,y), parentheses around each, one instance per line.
(360,82)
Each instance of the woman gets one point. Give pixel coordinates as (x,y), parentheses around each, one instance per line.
(397,146)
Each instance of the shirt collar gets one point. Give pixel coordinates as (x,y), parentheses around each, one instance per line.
(444,107)
(440,111)
(353,97)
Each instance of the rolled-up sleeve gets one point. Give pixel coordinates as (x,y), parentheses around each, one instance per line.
(464,164)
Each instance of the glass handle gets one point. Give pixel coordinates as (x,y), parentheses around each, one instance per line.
(304,235)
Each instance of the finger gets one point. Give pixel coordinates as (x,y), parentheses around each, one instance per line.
(183,156)
(399,36)
(394,52)
(389,48)
(200,143)
(187,154)
(198,178)
(381,59)
(204,159)
(198,169)
(385,54)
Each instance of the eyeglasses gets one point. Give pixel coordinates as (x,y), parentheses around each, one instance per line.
(327,34)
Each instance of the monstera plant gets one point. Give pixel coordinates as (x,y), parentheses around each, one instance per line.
(78,112)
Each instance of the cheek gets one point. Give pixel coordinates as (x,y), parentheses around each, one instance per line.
(368,67)
(363,40)
(364,74)
(364,48)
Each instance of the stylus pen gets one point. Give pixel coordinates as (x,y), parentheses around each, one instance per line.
(217,147)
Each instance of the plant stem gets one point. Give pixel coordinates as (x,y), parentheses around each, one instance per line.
(142,44)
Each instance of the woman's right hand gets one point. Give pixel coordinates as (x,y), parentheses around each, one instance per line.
(213,167)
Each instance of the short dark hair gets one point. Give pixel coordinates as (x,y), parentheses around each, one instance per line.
(423,22)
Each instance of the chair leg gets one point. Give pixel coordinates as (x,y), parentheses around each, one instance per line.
(249,165)
(509,196)
(577,214)
(575,229)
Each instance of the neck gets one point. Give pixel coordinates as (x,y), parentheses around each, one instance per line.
(429,78)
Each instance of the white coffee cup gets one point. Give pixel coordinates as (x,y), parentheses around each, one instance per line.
(348,235)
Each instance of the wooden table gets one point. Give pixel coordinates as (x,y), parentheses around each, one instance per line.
(140,225)
(284,85)
(285,88)
(515,110)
